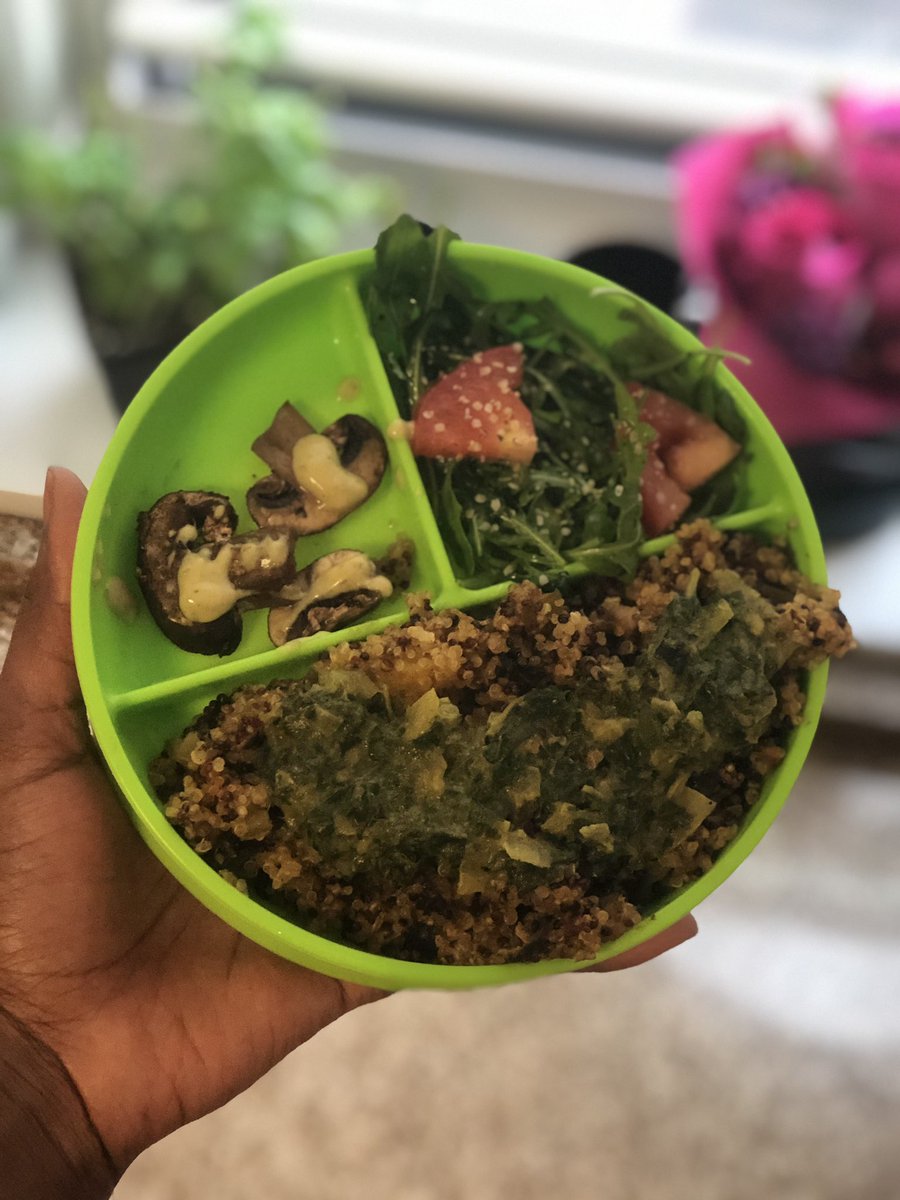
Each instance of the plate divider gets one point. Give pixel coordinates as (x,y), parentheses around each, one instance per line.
(406,471)
(280,660)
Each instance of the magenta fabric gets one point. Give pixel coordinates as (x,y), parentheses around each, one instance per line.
(802,246)
(803,408)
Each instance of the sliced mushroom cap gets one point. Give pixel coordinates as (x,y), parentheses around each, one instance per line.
(361,448)
(177,522)
(315,484)
(275,503)
(194,574)
(328,594)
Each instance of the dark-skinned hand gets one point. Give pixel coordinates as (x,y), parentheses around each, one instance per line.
(155,1011)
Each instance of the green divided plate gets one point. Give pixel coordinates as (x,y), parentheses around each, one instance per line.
(303,337)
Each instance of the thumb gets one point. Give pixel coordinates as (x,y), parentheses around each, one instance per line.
(39,676)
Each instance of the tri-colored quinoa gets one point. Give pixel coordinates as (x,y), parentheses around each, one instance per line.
(484,856)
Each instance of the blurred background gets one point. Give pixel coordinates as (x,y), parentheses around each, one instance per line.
(161,156)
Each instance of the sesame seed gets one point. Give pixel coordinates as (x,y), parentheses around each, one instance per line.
(539,520)
(543,580)
(480,498)
(476,422)
(618,490)
(495,505)
(508,569)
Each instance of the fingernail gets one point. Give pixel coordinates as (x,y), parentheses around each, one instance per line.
(49,494)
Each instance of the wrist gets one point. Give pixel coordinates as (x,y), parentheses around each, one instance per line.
(49,1146)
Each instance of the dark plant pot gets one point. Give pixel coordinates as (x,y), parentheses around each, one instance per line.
(649,272)
(126,373)
(126,358)
(853,484)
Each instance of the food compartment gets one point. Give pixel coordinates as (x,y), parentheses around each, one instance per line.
(211,400)
(493,519)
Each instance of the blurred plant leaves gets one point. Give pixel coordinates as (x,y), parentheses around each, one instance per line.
(258,195)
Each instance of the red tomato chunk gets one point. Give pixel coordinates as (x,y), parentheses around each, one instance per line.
(689,449)
(475,411)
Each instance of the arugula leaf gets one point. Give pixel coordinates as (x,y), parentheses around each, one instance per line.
(450,514)
(410,284)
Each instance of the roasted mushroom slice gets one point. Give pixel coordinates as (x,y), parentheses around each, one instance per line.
(318,478)
(194,574)
(328,594)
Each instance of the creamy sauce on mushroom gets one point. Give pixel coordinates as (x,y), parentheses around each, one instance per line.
(205,591)
(352,573)
(265,552)
(187,533)
(334,575)
(400,430)
(318,470)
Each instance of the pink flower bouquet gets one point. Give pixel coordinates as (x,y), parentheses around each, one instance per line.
(802,244)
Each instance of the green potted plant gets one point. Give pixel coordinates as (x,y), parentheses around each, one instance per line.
(152,257)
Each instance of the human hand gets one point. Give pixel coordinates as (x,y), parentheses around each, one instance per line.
(158,1010)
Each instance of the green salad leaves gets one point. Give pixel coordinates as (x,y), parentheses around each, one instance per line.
(578,503)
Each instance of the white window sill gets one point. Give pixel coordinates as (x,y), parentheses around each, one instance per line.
(652,72)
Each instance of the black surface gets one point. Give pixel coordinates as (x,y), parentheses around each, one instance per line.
(653,274)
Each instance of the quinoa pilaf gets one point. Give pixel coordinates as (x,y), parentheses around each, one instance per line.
(515,785)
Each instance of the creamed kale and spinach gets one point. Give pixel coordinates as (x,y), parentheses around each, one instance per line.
(527,780)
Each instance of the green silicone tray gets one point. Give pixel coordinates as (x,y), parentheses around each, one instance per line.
(300,337)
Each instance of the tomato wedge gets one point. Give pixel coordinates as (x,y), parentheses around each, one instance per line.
(475,411)
(687,451)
